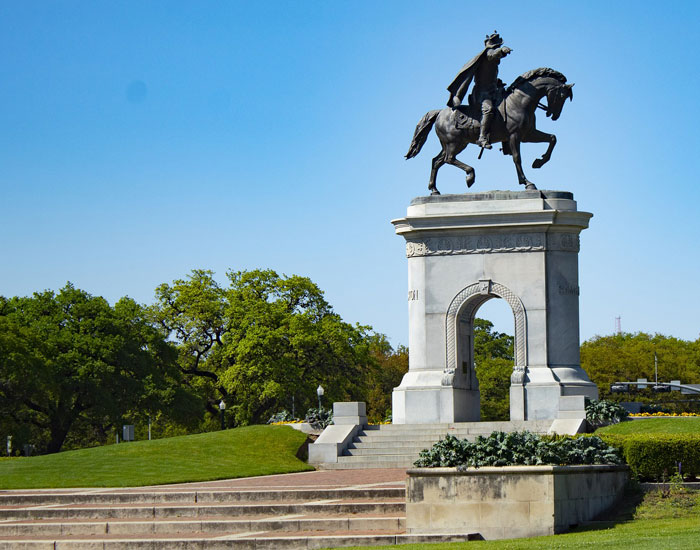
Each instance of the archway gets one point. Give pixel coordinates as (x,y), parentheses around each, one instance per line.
(459,325)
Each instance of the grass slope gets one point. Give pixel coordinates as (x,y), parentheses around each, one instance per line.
(241,452)
(659,523)
(680,425)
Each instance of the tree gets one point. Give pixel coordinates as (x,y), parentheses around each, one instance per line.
(386,371)
(626,357)
(493,356)
(261,341)
(70,358)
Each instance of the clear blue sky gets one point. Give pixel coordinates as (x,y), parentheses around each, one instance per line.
(140,140)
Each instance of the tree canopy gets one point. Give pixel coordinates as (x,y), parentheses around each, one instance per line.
(626,357)
(262,340)
(69,361)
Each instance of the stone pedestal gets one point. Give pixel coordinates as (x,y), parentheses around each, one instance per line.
(464,250)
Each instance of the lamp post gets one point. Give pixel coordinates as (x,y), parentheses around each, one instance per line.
(319,392)
(222,408)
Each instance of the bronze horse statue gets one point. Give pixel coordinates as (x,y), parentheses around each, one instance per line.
(513,124)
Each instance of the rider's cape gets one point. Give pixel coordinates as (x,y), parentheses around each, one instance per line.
(465,76)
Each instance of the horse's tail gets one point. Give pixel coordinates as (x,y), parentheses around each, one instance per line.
(421,133)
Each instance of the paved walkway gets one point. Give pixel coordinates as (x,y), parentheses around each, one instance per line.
(321,479)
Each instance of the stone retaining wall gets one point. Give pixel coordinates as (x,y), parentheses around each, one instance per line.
(511,501)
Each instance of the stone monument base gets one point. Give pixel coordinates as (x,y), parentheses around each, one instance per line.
(464,250)
(436,405)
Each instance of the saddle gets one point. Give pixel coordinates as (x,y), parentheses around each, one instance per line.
(469,116)
(466,118)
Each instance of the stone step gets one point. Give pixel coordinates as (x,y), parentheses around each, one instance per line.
(408,435)
(372,458)
(412,435)
(361,464)
(387,451)
(386,445)
(388,440)
(398,445)
(307,510)
(47,529)
(473,427)
(250,542)
(21,498)
(139,511)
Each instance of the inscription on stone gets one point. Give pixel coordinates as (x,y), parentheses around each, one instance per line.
(569,290)
(412,295)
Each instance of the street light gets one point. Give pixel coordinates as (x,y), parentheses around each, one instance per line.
(319,392)
(222,408)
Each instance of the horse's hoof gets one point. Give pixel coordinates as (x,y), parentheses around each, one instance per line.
(434,192)
(538,163)
(470,182)
(530,187)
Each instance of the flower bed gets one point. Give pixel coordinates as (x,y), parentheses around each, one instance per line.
(664,414)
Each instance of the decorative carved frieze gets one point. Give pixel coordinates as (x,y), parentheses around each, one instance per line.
(569,242)
(492,243)
(475,244)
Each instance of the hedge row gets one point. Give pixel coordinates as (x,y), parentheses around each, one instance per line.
(656,456)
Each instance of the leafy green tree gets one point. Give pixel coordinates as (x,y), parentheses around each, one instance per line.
(626,357)
(493,355)
(261,341)
(386,371)
(69,359)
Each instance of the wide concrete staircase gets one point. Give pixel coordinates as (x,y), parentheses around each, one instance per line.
(173,518)
(398,445)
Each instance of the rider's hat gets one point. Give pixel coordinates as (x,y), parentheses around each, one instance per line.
(493,41)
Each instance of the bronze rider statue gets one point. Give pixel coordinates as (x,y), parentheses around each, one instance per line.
(487,92)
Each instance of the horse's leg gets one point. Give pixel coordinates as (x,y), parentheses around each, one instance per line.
(542,137)
(514,142)
(438,161)
(450,158)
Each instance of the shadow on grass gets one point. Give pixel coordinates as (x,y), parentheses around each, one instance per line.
(622,512)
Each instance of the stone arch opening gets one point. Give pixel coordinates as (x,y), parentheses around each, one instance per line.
(459,324)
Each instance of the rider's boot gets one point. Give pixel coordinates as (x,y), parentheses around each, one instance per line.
(483,140)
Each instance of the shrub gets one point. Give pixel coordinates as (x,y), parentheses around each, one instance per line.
(517,448)
(656,456)
(282,416)
(601,413)
(319,418)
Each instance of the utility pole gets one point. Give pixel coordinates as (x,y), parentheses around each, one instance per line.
(656,369)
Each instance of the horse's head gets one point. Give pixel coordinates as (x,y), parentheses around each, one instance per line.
(556,97)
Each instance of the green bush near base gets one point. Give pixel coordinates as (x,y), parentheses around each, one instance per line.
(657,456)
(515,449)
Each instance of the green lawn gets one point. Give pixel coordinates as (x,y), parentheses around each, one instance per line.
(658,523)
(241,452)
(654,425)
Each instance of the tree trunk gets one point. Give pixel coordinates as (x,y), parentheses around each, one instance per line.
(59,430)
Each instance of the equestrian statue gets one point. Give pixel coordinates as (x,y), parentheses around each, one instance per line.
(493,113)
